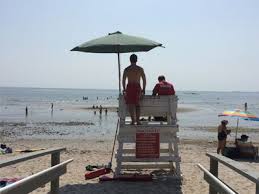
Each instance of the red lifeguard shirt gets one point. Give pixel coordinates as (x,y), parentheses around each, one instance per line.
(164,88)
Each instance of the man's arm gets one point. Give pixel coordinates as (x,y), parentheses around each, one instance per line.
(144,80)
(155,90)
(124,79)
(173,90)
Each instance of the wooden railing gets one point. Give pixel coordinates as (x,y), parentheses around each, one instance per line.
(33,182)
(153,106)
(218,186)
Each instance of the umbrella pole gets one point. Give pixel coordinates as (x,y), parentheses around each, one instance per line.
(237,128)
(119,68)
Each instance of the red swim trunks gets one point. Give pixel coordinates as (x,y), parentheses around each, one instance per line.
(133,93)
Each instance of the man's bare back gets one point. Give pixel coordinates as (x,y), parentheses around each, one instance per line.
(134,73)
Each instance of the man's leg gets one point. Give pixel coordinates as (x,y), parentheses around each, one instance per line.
(138,114)
(223,146)
(131,108)
(219,146)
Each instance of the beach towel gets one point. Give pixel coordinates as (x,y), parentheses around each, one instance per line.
(133,93)
(6,181)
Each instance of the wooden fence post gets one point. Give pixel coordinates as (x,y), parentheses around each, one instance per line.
(214,171)
(54,186)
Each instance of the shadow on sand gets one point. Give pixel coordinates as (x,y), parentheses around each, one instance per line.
(119,187)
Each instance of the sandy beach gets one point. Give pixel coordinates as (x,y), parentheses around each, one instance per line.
(98,151)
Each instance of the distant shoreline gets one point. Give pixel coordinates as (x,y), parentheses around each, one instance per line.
(115,108)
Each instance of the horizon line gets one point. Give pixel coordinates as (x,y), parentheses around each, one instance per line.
(188,90)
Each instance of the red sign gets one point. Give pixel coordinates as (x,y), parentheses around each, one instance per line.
(147,144)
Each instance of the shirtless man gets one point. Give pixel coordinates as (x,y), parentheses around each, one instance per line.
(133,91)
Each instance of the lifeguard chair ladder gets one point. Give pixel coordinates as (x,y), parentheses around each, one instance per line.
(128,149)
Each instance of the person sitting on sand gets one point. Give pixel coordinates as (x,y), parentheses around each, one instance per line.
(133,91)
(222,136)
(163,87)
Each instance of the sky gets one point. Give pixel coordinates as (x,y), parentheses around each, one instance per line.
(209,45)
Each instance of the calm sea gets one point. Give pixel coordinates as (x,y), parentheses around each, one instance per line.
(69,117)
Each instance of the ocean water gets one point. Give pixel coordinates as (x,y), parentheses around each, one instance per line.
(71,118)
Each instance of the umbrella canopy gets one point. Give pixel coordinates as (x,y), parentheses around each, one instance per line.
(240,114)
(117,42)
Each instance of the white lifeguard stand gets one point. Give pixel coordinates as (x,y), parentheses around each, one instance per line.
(153,145)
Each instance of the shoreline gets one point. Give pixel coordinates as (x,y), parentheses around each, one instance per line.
(115,108)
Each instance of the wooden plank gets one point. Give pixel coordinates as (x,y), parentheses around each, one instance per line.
(219,186)
(145,166)
(28,156)
(33,182)
(161,128)
(54,186)
(214,171)
(147,123)
(132,139)
(152,105)
(242,169)
(160,159)
(133,151)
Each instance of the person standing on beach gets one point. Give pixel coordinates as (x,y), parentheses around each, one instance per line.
(26,111)
(222,136)
(132,93)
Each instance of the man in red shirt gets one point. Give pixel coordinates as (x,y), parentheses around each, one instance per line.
(163,87)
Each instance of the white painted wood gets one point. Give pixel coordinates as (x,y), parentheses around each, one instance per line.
(176,153)
(145,166)
(132,139)
(33,182)
(152,106)
(149,106)
(215,182)
(118,156)
(27,156)
(133,151)
(170,155)
(160,159)
(151,127)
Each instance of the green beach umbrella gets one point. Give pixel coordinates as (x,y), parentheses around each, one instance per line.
(117,42)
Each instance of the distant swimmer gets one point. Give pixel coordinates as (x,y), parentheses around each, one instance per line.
(26,111)
(100,109)
(246,106)
(106,111)
(132,93)
(52,106)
